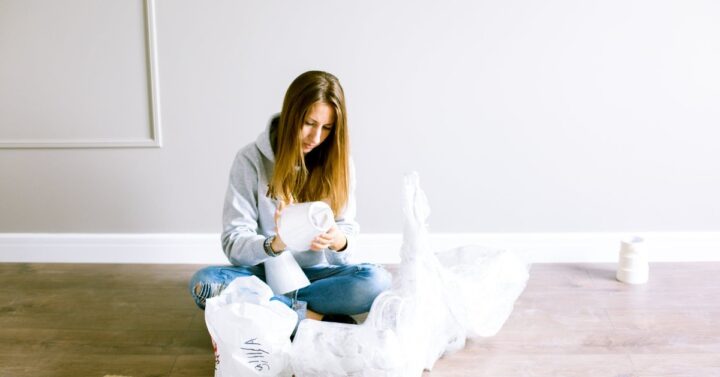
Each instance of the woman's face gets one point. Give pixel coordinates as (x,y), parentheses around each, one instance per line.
(317,125)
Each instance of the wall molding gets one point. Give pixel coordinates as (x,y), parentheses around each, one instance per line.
(153,87)
(204,248)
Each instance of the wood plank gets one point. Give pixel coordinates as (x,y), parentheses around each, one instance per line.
(194,366)
(676,365)
(558,277)
(103,342)
(475,364)
(116,365)
(27,365)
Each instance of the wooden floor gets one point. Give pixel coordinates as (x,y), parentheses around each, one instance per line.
(573,320)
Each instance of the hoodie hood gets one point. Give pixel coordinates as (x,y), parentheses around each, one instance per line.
(266,139)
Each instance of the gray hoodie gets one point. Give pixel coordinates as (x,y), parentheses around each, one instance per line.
(249,215)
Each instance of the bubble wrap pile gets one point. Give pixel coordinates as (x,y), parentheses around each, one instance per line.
(437,301)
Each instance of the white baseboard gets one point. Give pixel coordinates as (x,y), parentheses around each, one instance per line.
(111,248)
(375,248)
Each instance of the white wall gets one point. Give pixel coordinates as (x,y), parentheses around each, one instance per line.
(520,116)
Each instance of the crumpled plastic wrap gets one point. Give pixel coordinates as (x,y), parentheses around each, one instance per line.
(337,349)
(433,321)
(437,301)
(488,282)
(250,333)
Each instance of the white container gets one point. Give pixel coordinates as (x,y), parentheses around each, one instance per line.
(283,274)
(633,266)
(300,223)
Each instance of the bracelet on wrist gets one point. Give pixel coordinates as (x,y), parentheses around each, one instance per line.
(267,245)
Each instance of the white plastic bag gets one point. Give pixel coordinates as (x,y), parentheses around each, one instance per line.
(251,333)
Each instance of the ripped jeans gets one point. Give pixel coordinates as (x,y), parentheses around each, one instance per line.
(347,289)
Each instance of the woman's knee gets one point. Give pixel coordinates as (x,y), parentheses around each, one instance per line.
(205,283)
(371,281)
(210,281)
(374,276)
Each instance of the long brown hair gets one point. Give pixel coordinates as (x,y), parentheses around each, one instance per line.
(323,173)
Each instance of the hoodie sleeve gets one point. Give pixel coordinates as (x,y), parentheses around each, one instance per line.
(241,242)
(347,224)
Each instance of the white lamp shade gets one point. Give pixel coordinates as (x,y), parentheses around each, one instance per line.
(283,274)
(300,223)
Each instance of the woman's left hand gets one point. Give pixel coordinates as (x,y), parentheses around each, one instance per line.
(333,238)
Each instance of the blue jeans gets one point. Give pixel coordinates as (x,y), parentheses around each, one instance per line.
(348,289)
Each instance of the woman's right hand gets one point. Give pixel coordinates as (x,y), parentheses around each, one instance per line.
(278,243)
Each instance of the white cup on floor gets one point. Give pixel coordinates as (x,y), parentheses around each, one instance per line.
(633,265)
(300,223)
